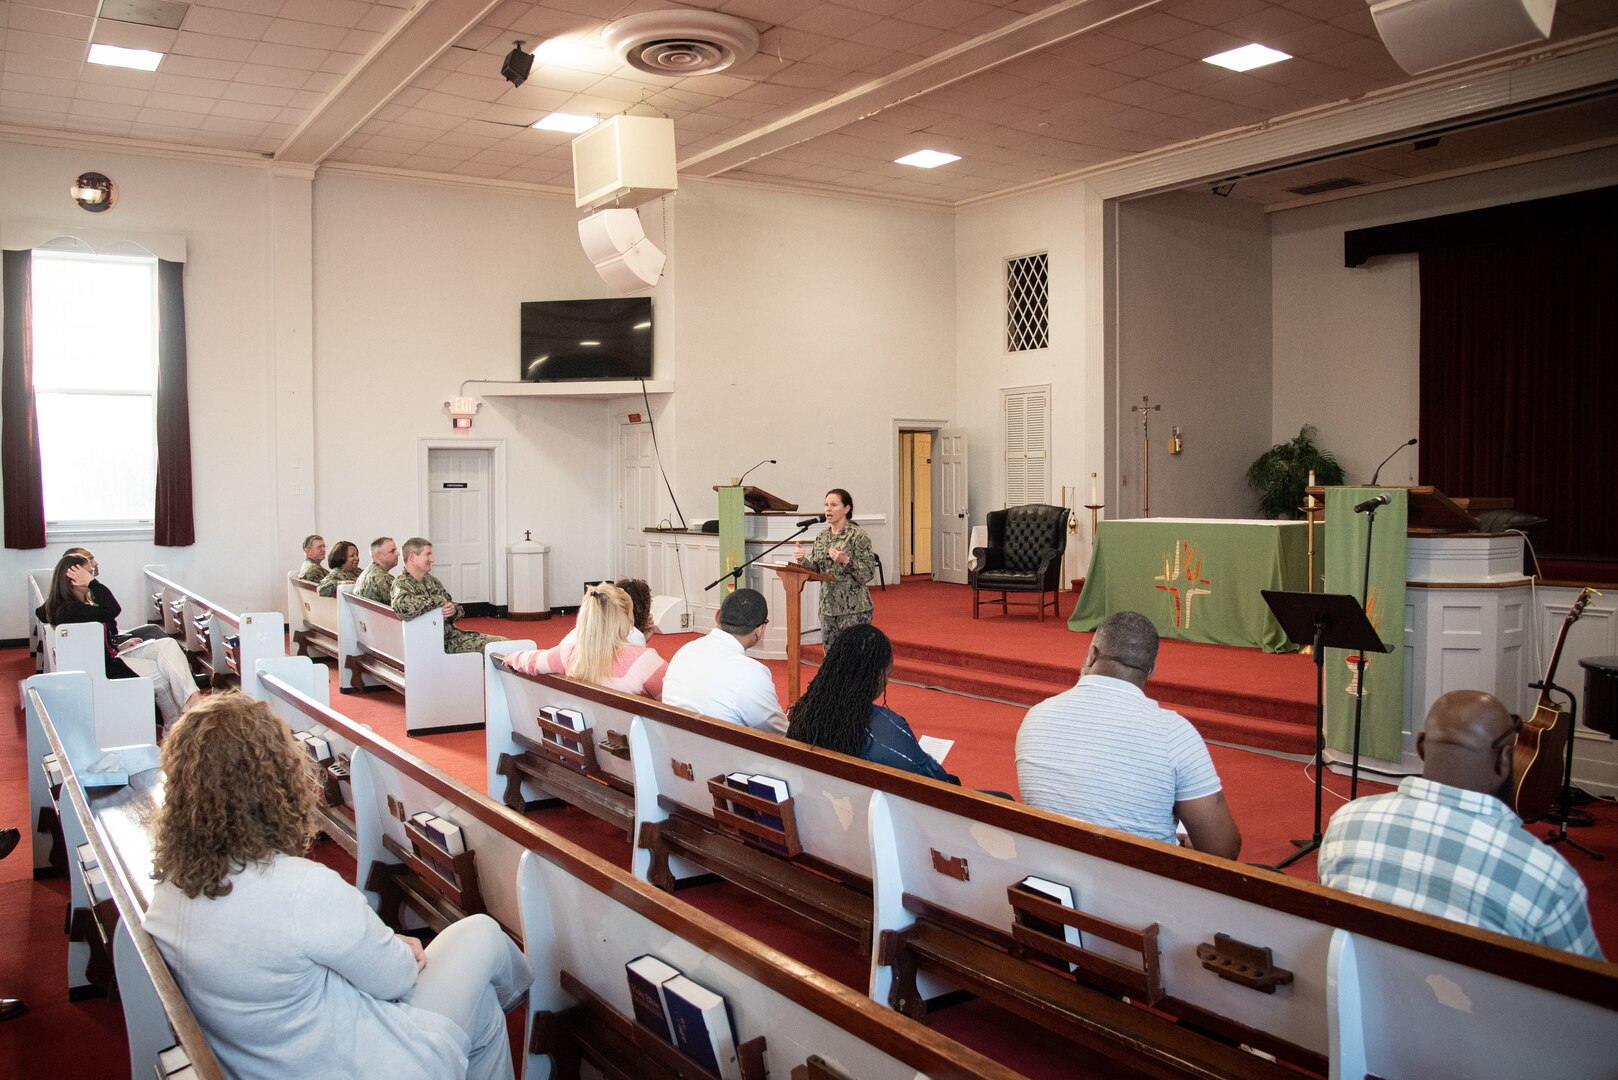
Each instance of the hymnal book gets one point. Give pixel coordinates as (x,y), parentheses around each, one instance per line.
(936,747)
(1057,893)
(446,834)
(172,1060)
(740,781)
(87,857)
(768,787)
(113,768)
(647,974)
(96,882)
(318,748)
(568,718)
(701,1023)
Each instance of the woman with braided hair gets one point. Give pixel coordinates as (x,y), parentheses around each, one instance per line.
(838,711)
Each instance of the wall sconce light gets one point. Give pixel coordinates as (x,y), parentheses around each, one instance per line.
(94,192)
(1176,444)
(461,410)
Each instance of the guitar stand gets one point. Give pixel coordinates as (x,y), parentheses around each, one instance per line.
(1564,805)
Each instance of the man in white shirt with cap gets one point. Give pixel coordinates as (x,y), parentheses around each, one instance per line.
(714,675)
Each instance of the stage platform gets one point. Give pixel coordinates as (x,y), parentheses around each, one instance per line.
(1243,697)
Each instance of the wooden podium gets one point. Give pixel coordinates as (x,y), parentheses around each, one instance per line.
(793,575)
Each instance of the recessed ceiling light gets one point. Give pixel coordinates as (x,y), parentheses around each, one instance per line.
(561,121)
(1248,57)
(927,159)
(114,56)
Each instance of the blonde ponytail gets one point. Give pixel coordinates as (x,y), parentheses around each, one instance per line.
(605,617)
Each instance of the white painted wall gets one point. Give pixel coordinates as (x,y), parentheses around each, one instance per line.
(1065,222)
(1346,340)
(1193,333)
(805,325)
(222,211)
(417,288)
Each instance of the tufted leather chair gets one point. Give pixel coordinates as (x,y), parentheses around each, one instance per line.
(1024,554)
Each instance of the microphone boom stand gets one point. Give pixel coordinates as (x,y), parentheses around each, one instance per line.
(736,574)
(1359,672)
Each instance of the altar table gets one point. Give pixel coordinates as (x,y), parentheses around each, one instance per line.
(1198,579)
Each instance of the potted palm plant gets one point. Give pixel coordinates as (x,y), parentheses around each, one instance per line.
(1281,473)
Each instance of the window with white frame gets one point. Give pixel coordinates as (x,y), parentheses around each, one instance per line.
(95,387)
(1027,431)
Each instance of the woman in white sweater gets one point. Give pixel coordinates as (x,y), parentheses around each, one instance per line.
(285,965)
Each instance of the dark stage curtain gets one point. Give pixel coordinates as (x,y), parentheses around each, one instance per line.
(24,489)
(173,524)
(1519,368)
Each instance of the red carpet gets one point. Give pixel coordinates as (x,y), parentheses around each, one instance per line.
(1241,696)
(1270,797)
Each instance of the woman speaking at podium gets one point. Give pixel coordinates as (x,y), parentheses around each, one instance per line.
(843,550)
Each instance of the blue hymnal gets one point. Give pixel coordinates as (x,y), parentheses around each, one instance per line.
(768,787)
(647,974)
(701,1024)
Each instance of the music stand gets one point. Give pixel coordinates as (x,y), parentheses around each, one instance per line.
(1326,621)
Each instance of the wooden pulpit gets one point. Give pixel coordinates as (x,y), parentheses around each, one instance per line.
(793,575)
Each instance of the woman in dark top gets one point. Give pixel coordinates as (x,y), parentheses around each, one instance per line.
(69,602)
(838,713)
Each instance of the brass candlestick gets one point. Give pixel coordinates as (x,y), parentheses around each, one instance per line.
(1310,507)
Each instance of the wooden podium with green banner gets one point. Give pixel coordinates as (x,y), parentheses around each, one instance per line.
(1383,687)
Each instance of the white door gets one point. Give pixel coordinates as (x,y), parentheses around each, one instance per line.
(460,522)
(637,498)
(951,523)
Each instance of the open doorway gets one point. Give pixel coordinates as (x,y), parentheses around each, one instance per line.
(916,502)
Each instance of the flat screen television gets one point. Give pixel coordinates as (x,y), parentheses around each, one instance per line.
(564,340)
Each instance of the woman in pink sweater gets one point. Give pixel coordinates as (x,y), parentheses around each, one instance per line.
(600,653)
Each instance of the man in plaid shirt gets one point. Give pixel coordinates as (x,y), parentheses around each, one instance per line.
(1447,843)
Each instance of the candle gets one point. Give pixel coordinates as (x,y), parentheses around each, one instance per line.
(1093,500)
(1311,502)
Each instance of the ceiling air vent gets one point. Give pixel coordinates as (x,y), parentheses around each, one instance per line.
(1327,185)
(681,43)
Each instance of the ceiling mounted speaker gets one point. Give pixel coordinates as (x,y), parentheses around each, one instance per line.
(616,245)
(1422,35)
(680,43)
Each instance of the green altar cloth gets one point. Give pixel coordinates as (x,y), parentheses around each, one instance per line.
(1199,579)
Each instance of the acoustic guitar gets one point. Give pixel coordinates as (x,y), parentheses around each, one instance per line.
(1542,743)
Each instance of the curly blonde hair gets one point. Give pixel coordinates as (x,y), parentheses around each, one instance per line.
(236,792)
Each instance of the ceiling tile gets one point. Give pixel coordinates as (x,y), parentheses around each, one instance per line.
(38,20)
(201,19)
(213,47)
(133,35)
(307,34)
(346,13)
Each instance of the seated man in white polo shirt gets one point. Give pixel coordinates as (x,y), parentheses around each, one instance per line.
(714,675)
(1106,753)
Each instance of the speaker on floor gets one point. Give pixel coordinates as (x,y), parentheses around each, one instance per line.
(666,614)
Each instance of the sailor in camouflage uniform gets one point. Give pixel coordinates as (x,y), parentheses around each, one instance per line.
(314,549)
(842,550)
(376,583)
(345,567)
(416,592)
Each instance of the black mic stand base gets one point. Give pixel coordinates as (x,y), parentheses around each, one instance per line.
(1564,811)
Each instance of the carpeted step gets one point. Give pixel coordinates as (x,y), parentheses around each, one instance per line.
(1235,729)
(1017,691)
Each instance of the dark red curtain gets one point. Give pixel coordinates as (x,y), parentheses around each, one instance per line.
(173,524)
(1519,370)
(20,476)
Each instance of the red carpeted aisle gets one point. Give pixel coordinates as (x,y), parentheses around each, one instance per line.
(1270,796)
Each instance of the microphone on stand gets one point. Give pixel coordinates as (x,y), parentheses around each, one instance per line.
(816,520)
(1389,458)
(766,461)
(1371,504)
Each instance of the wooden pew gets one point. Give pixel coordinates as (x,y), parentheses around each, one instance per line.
(125,709)
(527,766)
(312,617)
(219,640)
(581,919)
(944,861)
(377,648)
(687,820)
(38,583)
(111,948)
